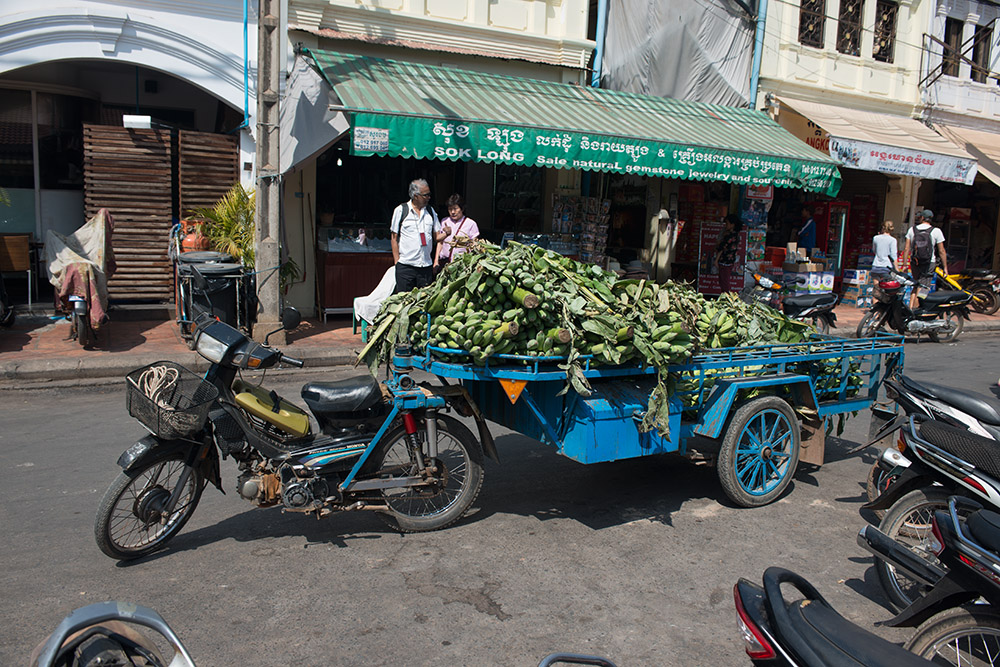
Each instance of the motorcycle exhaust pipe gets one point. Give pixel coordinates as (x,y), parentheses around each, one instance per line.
(882,546)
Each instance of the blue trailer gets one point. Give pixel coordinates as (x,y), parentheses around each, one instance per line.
(762,409)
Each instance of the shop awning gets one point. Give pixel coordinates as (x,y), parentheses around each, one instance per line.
(404,109)
(984,146)
(888,144)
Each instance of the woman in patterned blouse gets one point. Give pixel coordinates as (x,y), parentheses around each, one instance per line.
(727,250)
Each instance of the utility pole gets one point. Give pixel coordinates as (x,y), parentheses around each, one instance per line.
(267,223)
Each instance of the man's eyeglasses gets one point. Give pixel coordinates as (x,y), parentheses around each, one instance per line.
(425,195)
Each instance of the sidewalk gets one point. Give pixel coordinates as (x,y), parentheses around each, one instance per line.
(38,349)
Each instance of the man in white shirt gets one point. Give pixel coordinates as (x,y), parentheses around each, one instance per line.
(923,239)
(415,227)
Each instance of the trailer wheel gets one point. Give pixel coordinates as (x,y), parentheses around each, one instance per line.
(760,452)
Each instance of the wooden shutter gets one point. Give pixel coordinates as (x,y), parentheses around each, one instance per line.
(209,166)
(129,172)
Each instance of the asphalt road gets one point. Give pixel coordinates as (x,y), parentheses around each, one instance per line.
(633,560)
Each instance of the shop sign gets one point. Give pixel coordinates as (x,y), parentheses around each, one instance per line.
(428,138)
(902,161)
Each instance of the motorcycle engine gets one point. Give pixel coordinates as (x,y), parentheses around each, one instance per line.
(305,494)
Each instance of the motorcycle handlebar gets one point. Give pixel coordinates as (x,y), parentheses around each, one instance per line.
(292,361)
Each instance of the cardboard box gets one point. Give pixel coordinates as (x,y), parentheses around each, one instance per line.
(828,281)
(800,267)
(855,276)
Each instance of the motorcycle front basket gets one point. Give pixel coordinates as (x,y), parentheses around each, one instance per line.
(168,399)
(880,294)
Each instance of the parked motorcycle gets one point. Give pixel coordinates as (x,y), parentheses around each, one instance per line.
(940,460)
(816,309)
(103,634)
(941,315)
(7,315)
(806,631)
(958,617)
(982,283)
(385,448)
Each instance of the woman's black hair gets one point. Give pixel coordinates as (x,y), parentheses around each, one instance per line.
(455,200)
(735,219)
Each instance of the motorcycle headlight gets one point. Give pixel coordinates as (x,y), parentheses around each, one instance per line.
(211,348)
(990,276)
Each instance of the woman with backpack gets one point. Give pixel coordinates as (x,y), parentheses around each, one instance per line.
(921,241)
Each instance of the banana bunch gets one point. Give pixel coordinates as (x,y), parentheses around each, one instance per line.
(716,327)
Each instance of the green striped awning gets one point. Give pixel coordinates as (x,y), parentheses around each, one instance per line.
(404,109)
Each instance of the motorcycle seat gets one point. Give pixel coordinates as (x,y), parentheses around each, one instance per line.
(981,407)
(840,642)
(985,527)
(803,301)
(977,273)
(975,449)
(335,398)
(941,297)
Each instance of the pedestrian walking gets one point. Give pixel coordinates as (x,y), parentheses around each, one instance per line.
(886,250)
(415,229)
(923,239)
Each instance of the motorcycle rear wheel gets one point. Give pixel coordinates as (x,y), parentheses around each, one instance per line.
(878,481)
(460,460)
(908,522)
(82,327)
(871,323)
(822,325)
(129,520)
(959,322)
(984,300)
(968,635)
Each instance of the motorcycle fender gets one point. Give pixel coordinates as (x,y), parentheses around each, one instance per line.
(460,399)
(947,593)
(965,313)
(908,480)
(830,317)
(149,446)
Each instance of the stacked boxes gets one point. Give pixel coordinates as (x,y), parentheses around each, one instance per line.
(857,288)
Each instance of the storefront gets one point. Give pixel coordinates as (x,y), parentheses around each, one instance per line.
(589,169)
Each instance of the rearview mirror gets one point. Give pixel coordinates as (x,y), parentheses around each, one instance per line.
(290,319)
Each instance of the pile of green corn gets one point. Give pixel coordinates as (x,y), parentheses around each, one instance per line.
(530,304)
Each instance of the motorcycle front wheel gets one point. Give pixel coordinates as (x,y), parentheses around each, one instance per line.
(984,300)
(968,635)
(131,521)
(955,318)
(908,522)
(871,323)
(454,484)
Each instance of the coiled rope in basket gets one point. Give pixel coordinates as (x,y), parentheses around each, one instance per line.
(159,384)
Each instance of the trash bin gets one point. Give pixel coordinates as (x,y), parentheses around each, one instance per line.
(184,294)
(222,295)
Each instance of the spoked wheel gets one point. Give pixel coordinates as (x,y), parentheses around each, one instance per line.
(131,521)
(871,323)
(984,300)
(908,522)
(955,319)
(455,478)
(759,452)
(968,635)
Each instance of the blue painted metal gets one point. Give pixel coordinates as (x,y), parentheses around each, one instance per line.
(715,411)
(602,22)
(758,49)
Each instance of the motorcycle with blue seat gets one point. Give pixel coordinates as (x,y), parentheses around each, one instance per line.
(387,447)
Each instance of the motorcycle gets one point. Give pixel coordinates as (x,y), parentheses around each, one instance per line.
(941,460)
(958,618)
(7,315)
(982,283)
(816,309)
(387,448)
(102,634)
(806,631)
(941,315)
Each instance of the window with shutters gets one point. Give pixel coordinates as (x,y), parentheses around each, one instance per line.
(812,20)
(849,27)
(981,53)
(884,47)
(951,58)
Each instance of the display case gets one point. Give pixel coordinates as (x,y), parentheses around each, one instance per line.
(350,261)
(830,218)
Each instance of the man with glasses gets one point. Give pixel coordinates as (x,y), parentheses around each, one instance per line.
(415,228)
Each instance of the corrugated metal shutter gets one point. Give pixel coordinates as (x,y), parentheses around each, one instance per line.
(209,166)
(129,172)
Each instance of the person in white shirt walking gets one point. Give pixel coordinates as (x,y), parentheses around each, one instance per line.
(886,250)
(923,239)
(414,230)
